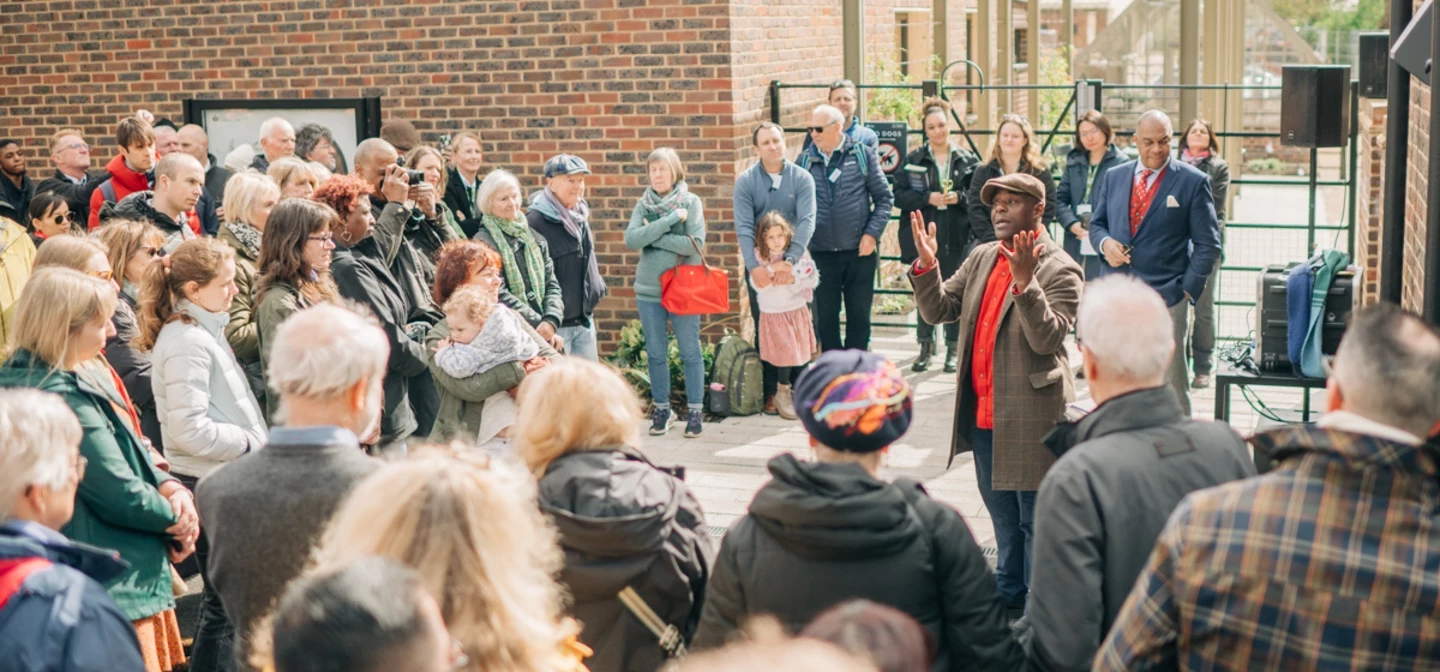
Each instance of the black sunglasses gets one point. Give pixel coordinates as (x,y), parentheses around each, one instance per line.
(818,129)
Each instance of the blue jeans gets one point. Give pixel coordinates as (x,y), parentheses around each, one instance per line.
(653,317)
(580,341)
(1013,513)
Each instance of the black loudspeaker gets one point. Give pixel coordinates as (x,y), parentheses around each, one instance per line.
(1315,105)
(1374,64)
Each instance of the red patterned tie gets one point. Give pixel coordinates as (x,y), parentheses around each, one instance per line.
(1140,199)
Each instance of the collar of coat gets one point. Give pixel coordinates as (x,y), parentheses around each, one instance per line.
(1359,451)
(23,538)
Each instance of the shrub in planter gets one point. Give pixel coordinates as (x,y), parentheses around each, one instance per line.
(633,362)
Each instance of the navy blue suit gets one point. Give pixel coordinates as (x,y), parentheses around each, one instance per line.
(1178,242)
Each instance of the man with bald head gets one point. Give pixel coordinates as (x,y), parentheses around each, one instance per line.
(195,142)
(1122,469)
(179,184)
(852,207)
(1155,219)
(277,140)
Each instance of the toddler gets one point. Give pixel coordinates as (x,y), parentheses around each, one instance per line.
(787,335)
(483,335)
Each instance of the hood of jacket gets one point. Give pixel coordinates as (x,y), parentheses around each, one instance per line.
(25,539)
(141,205)
(822,511)
(121,173)
(610,503)
(1079,156)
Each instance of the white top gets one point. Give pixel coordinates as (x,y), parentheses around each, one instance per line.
(1345,421)
(785,298)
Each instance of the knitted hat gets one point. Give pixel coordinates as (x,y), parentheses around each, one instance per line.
(853,400)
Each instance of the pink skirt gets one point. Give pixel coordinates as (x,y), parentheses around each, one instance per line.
(787,339)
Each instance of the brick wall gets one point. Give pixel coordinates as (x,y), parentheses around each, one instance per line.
(1416,191)
(1369,209)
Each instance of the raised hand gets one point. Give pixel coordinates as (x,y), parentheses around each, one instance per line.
(1025,258)
(926,243)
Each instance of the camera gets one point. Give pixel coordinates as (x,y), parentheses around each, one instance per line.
(413,176)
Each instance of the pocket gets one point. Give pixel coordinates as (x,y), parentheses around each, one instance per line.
(1043,379)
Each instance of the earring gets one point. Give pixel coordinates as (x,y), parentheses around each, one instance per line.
(345,237)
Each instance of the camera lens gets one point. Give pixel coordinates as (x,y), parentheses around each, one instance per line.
(416,176)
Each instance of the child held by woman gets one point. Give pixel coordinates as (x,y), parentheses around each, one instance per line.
(483,335)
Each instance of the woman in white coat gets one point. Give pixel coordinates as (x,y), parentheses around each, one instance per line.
(208,415)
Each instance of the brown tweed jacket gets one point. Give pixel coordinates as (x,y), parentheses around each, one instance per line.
(1033,381)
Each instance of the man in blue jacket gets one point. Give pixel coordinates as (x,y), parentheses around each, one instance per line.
(852,207)
(54,613)
(1155,219)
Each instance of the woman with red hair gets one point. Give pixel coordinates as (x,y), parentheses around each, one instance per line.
(462,400)
(362,276)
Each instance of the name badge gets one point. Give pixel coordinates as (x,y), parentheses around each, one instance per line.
(835,175)
(1082,209)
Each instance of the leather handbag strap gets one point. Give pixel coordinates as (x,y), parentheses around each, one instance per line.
(698,252)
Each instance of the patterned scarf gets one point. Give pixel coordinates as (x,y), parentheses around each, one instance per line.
(656,206)
(572,219)
(531,288)
(248,236)
(1194,159)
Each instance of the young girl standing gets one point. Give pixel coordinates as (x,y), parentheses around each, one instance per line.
(787,335)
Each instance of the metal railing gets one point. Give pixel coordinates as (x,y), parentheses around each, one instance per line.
(1312,182)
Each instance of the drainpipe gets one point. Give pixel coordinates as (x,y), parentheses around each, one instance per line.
(1397,142)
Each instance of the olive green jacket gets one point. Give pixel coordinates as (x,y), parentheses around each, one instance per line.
(243,331)
(118,504)
(462,400)
(280,301)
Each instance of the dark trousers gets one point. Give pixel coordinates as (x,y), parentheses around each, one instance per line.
(214,647)
(1013,514)
(847,279)
(425,401)
(1202,334)
(949,263)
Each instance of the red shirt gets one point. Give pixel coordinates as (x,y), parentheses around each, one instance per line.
(982,354)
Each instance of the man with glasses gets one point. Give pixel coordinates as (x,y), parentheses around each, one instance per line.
(1155,219)
(72,180)
(844,96)
(852,207)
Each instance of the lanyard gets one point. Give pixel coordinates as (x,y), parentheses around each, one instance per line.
(1090,182)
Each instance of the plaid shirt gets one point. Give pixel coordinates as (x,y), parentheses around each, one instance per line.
(1332,561)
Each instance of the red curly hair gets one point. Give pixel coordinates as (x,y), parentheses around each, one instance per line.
(459,261)
(342,193)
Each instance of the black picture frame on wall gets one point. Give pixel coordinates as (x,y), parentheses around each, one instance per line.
(231,122)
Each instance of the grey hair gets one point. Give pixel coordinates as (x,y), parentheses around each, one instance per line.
(1388,369)
(271,124)
(39,435)
(322,352)
(371,149)
(491,184)
(1127,329)
(668,156)
(1157,115)
(834,113)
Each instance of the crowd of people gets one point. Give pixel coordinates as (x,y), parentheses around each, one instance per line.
(365,407)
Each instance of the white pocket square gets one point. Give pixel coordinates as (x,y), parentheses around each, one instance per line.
(1170,201)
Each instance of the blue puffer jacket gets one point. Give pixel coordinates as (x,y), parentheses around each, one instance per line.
(61,619)
(857,202)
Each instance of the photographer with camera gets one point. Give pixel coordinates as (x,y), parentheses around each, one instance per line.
(408,220)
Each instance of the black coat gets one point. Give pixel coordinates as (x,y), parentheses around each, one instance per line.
(133,367)
(77,195)
(215,179)
(913,184)
(819,534)
(361,276)
(625,523)
(581,286)
(18,198)
(981,229)
(1219,172)
(457,198)
(1072,193)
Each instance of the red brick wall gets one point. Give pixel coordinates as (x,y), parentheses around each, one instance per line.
(1369,200)
(1416,191)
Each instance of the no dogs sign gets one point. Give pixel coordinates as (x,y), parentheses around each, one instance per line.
(893,141)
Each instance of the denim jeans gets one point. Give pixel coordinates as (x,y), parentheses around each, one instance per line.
(580,341)
(653,317)
(1013,513)
(847,279)
(214,647)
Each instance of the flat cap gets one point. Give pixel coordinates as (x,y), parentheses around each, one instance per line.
(565,164)
(1020,183)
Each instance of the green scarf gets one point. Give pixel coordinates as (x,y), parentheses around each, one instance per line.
(533,292)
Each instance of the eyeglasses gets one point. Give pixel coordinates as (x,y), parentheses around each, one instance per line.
(323,238)
(103,275)
(819,129)
(78,145)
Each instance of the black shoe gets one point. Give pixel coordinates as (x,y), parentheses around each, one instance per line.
(950,355)
(922,362)
(660,421)
(693,426)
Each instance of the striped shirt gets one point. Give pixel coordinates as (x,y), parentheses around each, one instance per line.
(1332,561)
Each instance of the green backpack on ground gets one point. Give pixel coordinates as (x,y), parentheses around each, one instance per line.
(737,384)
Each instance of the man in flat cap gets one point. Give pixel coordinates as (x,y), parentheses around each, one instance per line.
(1015,299)
(823,532)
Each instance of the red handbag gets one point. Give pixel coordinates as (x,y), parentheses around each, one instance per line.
(695,290)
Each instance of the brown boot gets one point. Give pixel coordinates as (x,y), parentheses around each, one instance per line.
(770,408)
(785,402)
